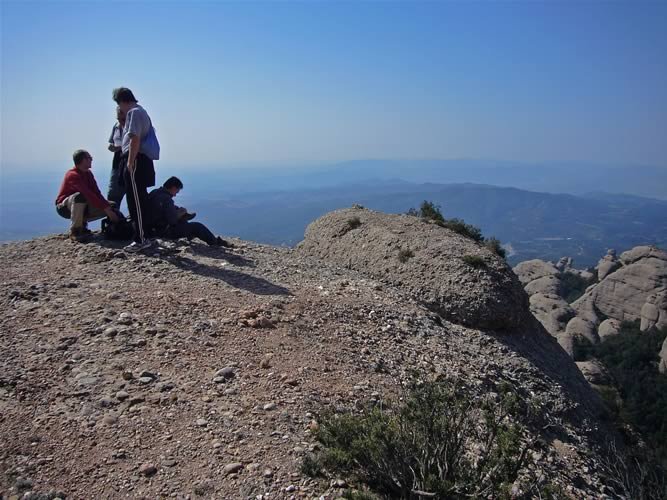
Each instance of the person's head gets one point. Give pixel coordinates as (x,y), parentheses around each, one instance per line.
(82,160)
(124,98)
(173,185)
(120,115)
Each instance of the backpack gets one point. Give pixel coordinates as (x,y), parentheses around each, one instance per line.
(121,230)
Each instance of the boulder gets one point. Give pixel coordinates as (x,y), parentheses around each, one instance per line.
(654,311)
(607,264)
(546,284)
(530,270)
(622,294)
(642,252)
(579,327)
(663,357)
(451,274)
(594,372)
(552,311)
(608,328)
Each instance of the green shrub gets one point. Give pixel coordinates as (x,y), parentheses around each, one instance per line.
(474,261)
(405,254)
(468,230)
(441,442)
(429,211)
(353,223)
(495,246)
(631,357)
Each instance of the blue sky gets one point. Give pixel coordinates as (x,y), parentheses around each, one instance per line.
(309,82)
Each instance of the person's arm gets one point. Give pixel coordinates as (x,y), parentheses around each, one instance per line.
(135,143)
(170,212)
(136,128)
(88,188)
(112,147)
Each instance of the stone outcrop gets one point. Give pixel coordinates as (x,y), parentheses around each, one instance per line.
(542,282)
(453,275)
(632,286)
(634,291)
(607,264)
(654,311)
(594,372)
(608,328)
(663,357)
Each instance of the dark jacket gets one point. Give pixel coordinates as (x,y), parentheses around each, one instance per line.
(163,209)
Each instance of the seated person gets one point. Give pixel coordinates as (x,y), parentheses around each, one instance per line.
(170,221)
(80,199)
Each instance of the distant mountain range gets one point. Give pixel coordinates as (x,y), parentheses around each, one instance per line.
(522,205)
(530,224)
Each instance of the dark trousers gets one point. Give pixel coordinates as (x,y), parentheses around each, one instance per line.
(116,190)
(191,230)
(136,184)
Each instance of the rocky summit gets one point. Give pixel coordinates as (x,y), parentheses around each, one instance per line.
(198,372)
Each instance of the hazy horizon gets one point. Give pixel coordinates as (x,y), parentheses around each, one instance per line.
(293,82)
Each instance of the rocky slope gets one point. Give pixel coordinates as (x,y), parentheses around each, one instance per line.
(630,287)
(198,372)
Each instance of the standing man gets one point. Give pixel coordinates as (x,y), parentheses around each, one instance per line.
(79,198)
(139,148)
(116,191)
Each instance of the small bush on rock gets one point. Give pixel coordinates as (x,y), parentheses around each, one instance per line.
(474,261)
(353,223)
(468,230)
(495,246)
(405,254)
(441,443)
(431,212)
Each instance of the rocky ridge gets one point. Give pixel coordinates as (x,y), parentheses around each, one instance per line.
(198,372)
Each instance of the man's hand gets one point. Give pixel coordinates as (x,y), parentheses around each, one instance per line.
(112,148)
(112,215)
(131,165)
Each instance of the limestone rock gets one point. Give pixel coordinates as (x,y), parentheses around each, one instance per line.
(594,372)
(546,284)
(552,311)
(654,311)
(622,294)
(579,327)
(530,270)
(608,328)
(607,264)
(663,357)
(432,269)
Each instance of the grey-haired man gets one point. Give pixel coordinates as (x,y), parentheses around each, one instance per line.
(140,148)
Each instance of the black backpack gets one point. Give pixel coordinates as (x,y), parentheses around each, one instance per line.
(121,230)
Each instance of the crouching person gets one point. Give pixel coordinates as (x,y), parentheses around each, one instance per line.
(170,221)
(80,199)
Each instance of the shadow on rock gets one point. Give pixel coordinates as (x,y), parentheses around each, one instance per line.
(253,284)
(220,253)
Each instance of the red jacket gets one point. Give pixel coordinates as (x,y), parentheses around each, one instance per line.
(76,181)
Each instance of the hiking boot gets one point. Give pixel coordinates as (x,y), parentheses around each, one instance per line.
(219,242)
(136,246)
(79,235)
